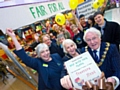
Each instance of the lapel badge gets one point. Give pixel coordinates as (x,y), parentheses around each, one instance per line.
(45,65)
(58,64)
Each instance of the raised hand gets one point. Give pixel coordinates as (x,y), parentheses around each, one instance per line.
(10,32)
(36,37)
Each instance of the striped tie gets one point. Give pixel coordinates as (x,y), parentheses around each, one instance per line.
(96,56)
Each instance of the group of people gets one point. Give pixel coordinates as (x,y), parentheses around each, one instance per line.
(104,38)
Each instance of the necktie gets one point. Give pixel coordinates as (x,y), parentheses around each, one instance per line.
(96,56)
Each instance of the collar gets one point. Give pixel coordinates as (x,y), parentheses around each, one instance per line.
(69,56)
(103,24)
(97,49)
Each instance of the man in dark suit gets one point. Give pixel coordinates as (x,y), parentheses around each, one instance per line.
(110,30)
(105,55)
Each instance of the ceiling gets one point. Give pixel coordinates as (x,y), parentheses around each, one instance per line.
(7,3)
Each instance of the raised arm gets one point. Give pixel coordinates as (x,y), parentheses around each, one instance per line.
(77,21)
(11,33)
(29,61)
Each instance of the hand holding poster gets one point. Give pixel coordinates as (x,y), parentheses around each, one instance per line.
(81,69)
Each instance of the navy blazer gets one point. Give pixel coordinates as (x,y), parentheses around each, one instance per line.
(111,63)
(37,64)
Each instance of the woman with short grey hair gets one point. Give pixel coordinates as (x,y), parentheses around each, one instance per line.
(48,65)
(71,50)
(40,48)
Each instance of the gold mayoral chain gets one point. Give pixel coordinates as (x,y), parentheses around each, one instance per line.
(104,54)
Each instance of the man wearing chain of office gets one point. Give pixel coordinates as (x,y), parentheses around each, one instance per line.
(104,54)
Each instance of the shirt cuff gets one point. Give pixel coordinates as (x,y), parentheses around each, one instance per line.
(117,81)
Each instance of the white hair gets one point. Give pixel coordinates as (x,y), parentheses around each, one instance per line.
(92,30)
(68,41)
(59,36)
(40,47)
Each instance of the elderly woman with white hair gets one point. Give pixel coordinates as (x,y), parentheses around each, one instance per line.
(71,50)
(48,66)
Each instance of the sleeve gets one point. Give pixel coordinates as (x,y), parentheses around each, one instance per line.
(117,81)
(115,61)
(117,35)
(29,61)
(64,70)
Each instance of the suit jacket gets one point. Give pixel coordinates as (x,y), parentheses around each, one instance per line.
(111,64)
(42,68)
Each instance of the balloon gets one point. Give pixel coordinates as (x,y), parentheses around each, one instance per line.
(101,2)
(73,4)
(80,1)
(68,15)
(60,19)
(96,5)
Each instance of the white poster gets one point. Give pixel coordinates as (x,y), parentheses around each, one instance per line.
(81,69)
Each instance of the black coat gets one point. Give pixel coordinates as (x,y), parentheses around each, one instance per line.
(54,48)
(111,33)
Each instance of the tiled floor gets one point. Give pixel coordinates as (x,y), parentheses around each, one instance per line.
(13,84)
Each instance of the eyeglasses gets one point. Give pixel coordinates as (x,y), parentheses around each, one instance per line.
(92,39)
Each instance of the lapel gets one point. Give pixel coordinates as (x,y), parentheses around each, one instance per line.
(90,51)
(102,49)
